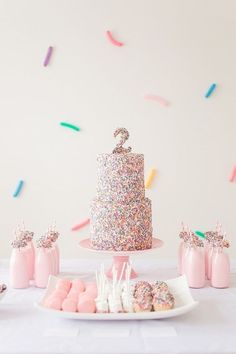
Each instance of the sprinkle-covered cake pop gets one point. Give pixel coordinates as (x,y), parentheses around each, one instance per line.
(164,301)
(142,297)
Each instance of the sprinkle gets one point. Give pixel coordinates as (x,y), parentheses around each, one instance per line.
(68,125)
(113,40)
(159,99)
(149,180)
(210,90)
(18,189)
(48,56)
(80,225)
(233,175)
(200,234)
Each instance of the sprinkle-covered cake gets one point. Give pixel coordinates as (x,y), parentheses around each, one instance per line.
(120,215)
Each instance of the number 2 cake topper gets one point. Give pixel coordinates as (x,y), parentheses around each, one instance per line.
(124,135)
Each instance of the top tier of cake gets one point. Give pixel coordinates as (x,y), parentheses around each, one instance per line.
(120,177)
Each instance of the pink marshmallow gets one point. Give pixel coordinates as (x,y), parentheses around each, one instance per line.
(62,287)
(69,305)
(86,304)
(92,291)
(53,303)
(78,285)
(74,295)
(63,283)
(62,294)
(91,283)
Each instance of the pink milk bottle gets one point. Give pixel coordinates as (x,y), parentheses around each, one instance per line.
(57,252)
(43,263)
(29,252)
(194,263)
(185,249)
(207,250)
(183,236)
(180,257)
(209,260)
(206,257)
(19,275)
(53,236)
(213,237)
(210,237)
(220,267)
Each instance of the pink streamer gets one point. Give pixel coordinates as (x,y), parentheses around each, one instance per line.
(233,175)
(113,40)
(80,225)
(159,99)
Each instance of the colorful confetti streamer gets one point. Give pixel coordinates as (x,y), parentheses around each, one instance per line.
(48,56)
(150,178)
(113,40)
(71,126)
(232,176)
(80,225)
(210,90)
(18,189)
(158,99)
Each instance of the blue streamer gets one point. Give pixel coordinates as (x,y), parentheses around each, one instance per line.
(210,90)
(18,189)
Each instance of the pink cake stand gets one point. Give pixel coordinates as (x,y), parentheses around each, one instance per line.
(120,257)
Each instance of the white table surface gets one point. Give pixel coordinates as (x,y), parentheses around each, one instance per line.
(210,328)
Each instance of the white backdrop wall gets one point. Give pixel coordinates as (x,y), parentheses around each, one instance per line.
(173,48)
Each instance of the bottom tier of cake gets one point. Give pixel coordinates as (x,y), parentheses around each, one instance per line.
(121,227)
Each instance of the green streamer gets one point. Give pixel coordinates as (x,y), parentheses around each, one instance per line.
(200,234)
(71,126)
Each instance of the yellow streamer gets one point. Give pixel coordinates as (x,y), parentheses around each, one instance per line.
(150,177)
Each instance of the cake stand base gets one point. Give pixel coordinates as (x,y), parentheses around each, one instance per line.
(118,264)
(121,257)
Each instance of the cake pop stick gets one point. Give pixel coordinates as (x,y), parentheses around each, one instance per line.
(101,300)
(127,293)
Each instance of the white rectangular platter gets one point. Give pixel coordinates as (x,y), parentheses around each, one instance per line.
(184,303)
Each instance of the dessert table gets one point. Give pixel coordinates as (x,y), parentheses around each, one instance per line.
(209,328)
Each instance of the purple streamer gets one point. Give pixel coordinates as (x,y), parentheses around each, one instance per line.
(48,56)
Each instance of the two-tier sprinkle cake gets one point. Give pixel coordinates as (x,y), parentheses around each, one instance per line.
(120,215)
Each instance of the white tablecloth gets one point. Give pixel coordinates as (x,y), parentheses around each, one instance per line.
(210,328)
